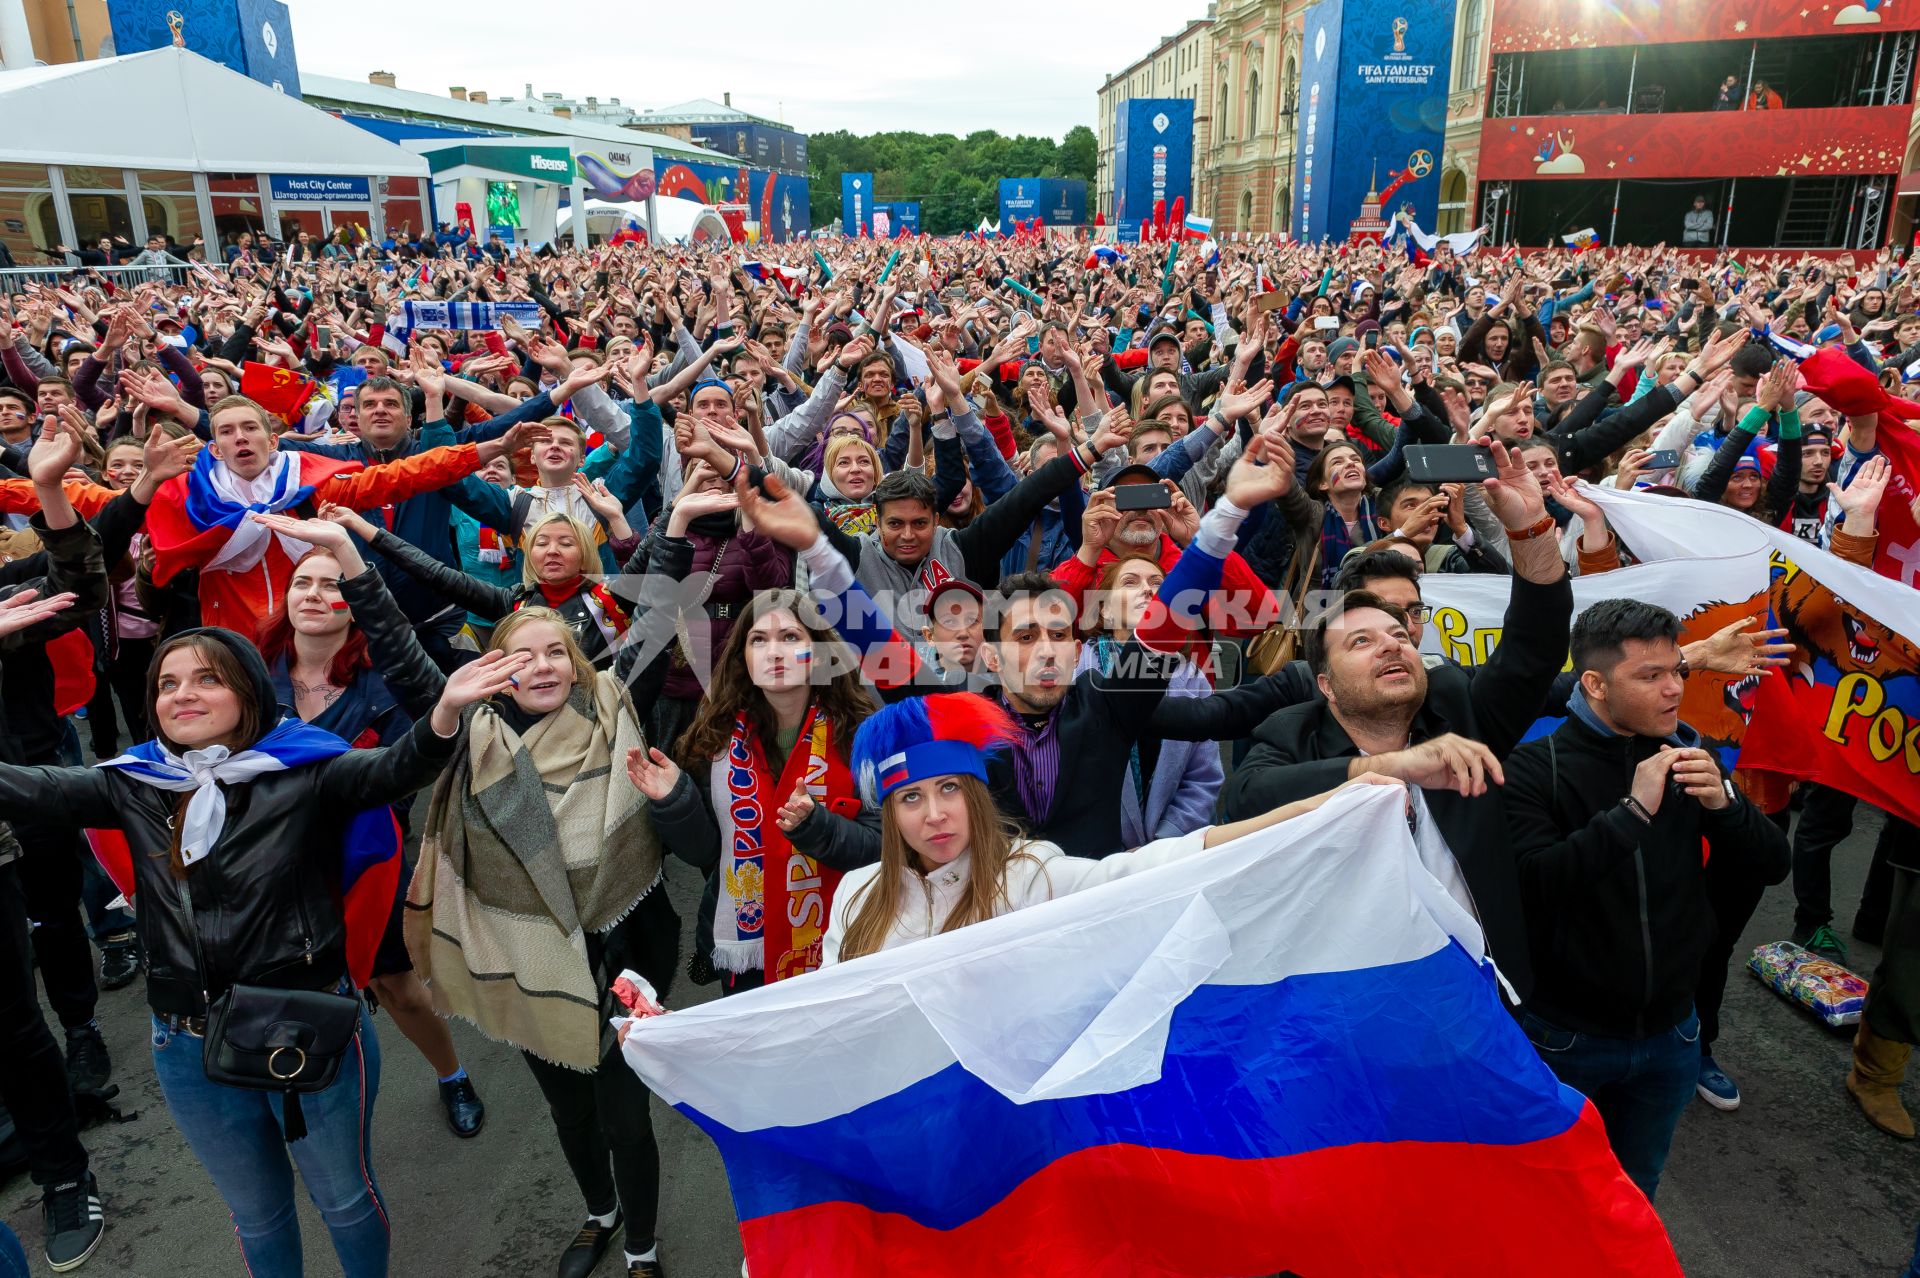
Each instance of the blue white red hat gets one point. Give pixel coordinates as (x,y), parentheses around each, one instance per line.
(947,734)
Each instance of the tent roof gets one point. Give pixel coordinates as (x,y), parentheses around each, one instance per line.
(520,117)
(170,108)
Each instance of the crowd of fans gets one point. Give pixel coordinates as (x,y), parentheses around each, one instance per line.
(635,571)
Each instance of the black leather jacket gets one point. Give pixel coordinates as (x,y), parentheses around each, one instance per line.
(267,896)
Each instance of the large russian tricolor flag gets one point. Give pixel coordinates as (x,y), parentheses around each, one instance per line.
(1284,1053)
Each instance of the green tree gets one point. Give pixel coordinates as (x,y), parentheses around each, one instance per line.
(955,180)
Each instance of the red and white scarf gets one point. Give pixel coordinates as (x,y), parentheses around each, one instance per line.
(774,900)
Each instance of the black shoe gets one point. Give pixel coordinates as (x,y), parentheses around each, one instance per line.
(465,1113)
(589,1246)
(74,1222)
(119,961)
(1872,930)
(88,1065)
(646,1269)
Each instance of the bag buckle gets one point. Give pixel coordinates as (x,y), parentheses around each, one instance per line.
(273,1066)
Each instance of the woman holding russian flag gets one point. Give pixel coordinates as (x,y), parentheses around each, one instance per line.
(260,854)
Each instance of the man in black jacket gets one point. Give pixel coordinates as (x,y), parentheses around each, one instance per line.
(1606,818)
(1379,709)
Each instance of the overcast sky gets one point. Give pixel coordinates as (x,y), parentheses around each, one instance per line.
(820,65)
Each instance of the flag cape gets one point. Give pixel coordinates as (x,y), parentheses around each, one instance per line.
(1846,713)
(1285,1053)
(370,858)
(1851,389)
(188,523)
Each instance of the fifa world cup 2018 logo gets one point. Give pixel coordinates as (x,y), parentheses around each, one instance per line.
(1399,35)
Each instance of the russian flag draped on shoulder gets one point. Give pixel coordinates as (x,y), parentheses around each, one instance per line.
(199,520)
(1285,1053)
(369,851)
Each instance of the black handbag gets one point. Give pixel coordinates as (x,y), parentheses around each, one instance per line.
(266,1039)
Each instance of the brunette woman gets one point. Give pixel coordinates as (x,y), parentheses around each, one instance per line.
(243,852)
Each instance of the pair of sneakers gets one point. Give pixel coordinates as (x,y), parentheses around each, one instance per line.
(74,1222)
(591,1244)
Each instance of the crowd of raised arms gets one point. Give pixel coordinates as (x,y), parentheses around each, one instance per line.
(891,585)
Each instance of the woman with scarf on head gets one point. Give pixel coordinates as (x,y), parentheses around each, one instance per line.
(333,651)
(260,856)
(539,882)
(761,797)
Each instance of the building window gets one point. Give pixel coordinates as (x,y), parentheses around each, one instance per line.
(1467,74)
(1246,210)
(1225,132)
(1289,86)
(1253,103)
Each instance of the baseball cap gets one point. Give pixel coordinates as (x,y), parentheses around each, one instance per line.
(1134,470)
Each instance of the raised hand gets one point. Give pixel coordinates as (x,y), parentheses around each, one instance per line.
(351,520)
(779,512)
(474,682)
(1259,474)
(1514,497)
(25,608)
(654,774)
(795,811)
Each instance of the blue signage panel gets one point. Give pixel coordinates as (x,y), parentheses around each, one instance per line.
(307,188)
(1055,201)
(856,203)
(253,37)
(1152,157)
(1373,114)
(266,35)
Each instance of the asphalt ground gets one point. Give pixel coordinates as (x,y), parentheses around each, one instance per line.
(1795,1183)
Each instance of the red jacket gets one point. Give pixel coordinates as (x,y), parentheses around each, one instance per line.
(1243,607)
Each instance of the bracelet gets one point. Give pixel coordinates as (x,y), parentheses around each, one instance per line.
(1528,534)
(1634,806)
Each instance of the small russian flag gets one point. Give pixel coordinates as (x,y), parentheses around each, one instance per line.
(893,771)
(765,272)
(1581,240)
(1197,228)
(1104,255)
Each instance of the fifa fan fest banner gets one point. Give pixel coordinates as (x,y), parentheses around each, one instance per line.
(1152,161)
(1523,25)
(856,203)
(1055,201)
(1707,144)
(1286,1053)
(1372,115)
(1845,712)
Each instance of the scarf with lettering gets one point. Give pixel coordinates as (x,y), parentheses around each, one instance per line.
(773,898)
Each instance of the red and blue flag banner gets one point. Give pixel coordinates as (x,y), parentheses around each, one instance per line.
(764,272)
(1846,712)
(1286,1054)
(281,391)
(1852,390)
(370,861)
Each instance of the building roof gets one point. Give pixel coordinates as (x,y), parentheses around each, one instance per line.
(704,111)
(193,114)
(521,116)
(1165,43)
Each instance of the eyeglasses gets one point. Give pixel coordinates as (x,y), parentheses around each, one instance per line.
(1419,612)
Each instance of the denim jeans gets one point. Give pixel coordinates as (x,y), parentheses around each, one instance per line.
(1641,1086)
(13,1260)
(237,1136)
(1913,1266)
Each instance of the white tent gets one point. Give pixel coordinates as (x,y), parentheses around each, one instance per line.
(681,221)
(171,109)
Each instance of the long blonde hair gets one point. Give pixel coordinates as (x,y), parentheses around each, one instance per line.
(994,841)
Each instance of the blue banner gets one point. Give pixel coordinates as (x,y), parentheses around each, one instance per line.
(1372,115)
(856,203)
(776,201)
(1152,157)
(313,188)
(1055,201)
(253,37)
(266,35)
(903,218)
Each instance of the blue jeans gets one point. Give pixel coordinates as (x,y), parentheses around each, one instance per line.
(13,1261)
(1641,1086)
(1913,1266)
(237,1136)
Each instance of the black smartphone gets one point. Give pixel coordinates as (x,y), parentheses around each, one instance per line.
(1449,463)
(1663,459)
(1689,284)
(1142,497)
(1373,339)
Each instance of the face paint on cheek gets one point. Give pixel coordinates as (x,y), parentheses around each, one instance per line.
(339,605)
(803,657)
